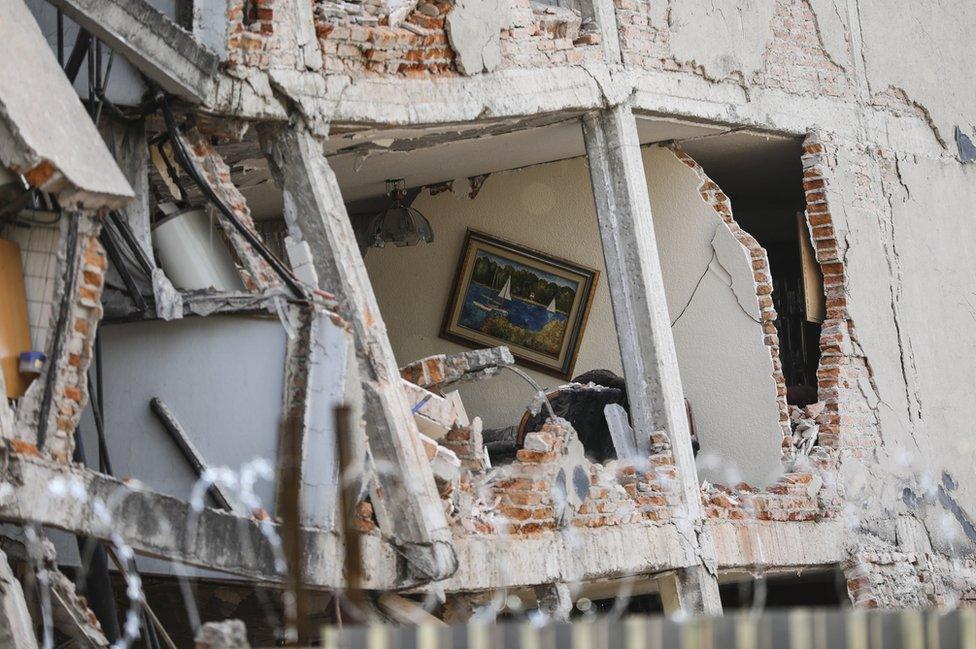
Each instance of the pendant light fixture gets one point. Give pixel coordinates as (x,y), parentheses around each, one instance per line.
(399,224)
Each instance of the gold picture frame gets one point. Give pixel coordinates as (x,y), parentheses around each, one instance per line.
(505,293)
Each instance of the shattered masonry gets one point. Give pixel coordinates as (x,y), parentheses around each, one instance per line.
(294,114)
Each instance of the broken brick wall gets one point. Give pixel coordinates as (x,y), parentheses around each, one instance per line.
(81,272)
(844,373)
(879,370)
(359,38)
(793,57)
(256,273)
(890,579)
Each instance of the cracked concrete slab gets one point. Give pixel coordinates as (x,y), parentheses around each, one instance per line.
(45,132)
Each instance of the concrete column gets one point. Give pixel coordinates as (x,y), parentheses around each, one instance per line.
(410,508)
(643,326)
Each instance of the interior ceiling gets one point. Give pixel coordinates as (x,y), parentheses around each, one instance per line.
(755,170)
(428,157)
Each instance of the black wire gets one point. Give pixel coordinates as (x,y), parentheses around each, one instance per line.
(184,159)
(115,256)
(104,461)
(130,239)
(70,272)
(60,39)
(91,82)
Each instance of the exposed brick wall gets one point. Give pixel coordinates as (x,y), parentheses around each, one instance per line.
(419,46)
(889,579)
(519,498)
(654,488)
(70,387)
(257,274)
(523,500)
(466,442)
(794,59)
(846,422)
(713,195)
(250,27)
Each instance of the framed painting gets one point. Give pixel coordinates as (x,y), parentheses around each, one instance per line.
(509,294)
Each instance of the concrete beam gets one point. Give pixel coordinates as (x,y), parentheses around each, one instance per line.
(314,212)
(150,41)
(643,327)
(154,524)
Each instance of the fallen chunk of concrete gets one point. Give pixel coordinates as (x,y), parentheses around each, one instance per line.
(229,634)
(440,371)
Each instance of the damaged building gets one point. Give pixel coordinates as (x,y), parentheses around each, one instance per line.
(429,311)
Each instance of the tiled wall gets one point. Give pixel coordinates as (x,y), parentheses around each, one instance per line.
(39,259)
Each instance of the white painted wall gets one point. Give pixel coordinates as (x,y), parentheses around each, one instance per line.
(913,304)
(725,367)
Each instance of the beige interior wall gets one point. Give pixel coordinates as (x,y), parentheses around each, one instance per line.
(725,366)
(546,207)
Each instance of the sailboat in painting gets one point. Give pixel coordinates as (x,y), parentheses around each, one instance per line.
(506,292)
(495,305)
(552,306)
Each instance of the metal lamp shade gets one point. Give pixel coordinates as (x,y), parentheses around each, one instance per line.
(401,226)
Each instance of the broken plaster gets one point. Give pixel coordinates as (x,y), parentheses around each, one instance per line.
(474,31)
(722,39)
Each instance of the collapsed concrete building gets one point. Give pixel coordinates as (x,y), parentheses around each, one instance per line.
(772,200)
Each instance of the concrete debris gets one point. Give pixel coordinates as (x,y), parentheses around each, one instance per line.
(555,601)
(16,627)
(228,634)
(443,371)
(169,301)
(71,614)
(72,161)
(624,440)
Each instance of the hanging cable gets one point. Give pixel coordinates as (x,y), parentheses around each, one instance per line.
(184,160)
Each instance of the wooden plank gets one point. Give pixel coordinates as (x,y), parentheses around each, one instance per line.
(315,212)
(640,310)
(407,611)
(815,306)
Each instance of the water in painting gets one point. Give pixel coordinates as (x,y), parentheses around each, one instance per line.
(518,304)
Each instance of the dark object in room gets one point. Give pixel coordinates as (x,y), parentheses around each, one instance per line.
(582,405)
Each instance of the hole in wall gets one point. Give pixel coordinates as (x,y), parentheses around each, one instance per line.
(763,177)
(815,589)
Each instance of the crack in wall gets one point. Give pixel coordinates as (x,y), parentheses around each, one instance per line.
(820,37)
(906,356)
